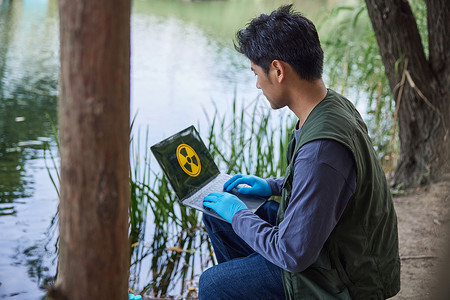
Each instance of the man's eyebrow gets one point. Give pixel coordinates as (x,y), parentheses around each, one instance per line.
(251,68)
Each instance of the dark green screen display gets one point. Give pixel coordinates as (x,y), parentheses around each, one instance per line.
(185,161)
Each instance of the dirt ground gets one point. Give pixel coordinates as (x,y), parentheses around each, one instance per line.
(423,223)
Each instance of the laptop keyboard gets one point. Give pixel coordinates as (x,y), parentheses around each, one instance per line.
(214,186)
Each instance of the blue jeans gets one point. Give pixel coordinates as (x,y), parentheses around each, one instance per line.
(241,273)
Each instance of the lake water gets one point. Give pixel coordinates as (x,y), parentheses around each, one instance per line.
(183,67)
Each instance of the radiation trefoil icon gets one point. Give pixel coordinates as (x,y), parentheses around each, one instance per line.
(188,160)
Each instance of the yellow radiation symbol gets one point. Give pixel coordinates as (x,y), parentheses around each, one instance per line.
(188,160)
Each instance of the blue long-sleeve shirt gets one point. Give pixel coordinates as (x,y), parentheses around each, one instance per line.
(323,182)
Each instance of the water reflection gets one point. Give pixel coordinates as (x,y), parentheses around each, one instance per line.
(184,63)
(28,91)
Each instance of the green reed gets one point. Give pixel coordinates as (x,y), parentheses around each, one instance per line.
(53,228)
(174,228)
(249,141)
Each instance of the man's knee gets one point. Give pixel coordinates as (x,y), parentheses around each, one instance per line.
(206,285)
(215,283)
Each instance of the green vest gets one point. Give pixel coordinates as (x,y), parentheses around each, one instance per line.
(360,258)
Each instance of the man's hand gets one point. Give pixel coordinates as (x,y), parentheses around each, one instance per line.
(258,186)
(225,204)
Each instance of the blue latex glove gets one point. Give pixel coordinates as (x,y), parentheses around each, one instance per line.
(134,297)
(258,186)
(225,204)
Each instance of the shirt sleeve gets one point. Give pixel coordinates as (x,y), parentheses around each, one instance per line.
(323,182)
(275,185)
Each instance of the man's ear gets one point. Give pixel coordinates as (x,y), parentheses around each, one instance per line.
(279,70)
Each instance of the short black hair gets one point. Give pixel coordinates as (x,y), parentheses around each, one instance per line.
(284,35)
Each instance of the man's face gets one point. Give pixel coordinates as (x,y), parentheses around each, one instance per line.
(267,83)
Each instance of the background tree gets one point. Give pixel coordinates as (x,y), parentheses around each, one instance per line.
(94,140)
(420,85)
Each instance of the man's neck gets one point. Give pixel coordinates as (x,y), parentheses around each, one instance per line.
(305,96)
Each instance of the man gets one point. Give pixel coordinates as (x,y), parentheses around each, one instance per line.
(334,233)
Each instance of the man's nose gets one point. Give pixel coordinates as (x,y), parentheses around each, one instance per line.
(257,85)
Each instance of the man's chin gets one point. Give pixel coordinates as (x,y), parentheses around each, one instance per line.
(274,106)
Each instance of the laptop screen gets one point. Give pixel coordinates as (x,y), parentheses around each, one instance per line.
(185,161)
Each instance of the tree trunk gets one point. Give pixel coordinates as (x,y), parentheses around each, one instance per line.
(94,140)
(419,86)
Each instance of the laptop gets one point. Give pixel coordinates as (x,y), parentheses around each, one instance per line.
(192,173)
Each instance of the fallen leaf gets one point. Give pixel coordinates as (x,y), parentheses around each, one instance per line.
(178,249)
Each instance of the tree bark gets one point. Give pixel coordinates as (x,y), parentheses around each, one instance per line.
(419,86)
(94,121)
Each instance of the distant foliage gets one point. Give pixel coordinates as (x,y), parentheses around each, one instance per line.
(355,69)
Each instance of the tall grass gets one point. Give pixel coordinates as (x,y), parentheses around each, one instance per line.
(178,241)
(247,141)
